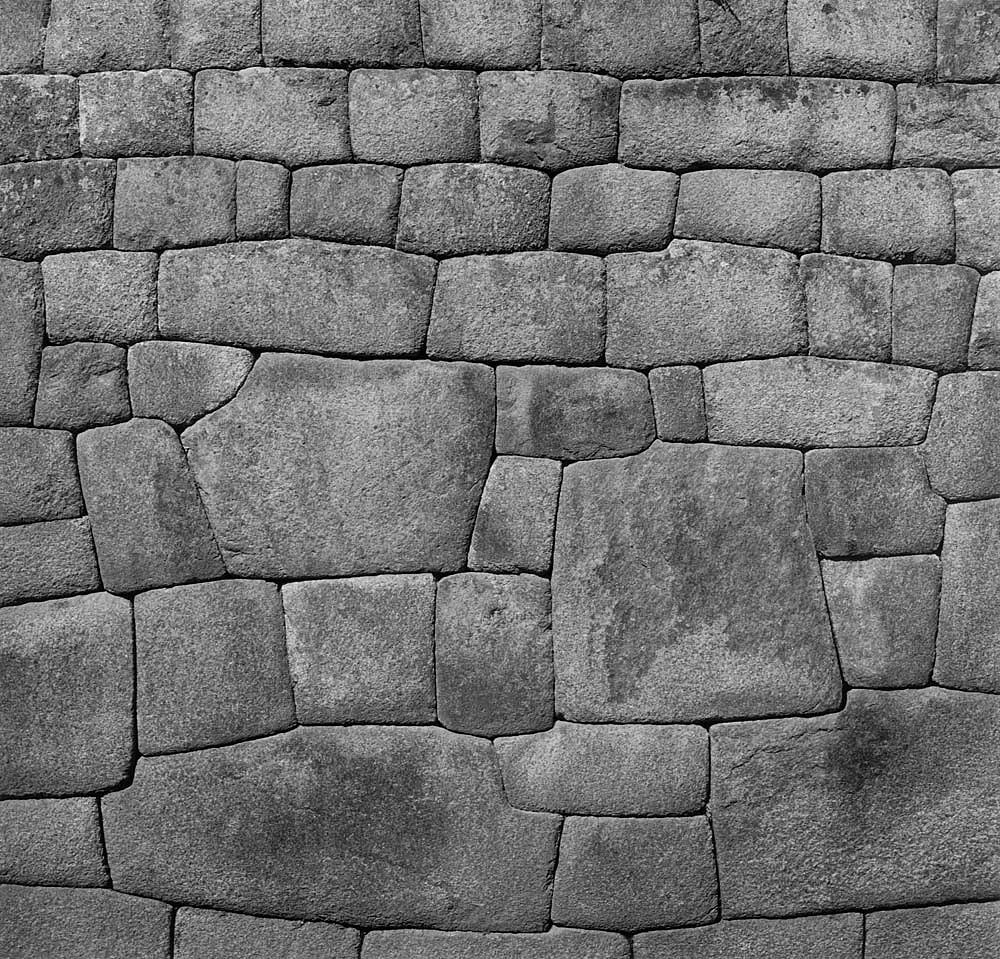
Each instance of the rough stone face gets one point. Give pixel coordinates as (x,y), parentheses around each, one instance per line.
(81,385)
(337,468)
(812,401)
(678,402)
(743,37)
(765,122)
(261,200)
(55,205)
(362,650)
(968,39)
(947,125)
(39,120)
(73,736)
(515,524)
(450,209)
(22,332)
(551,120)
(350,203)
(414,116)
(555,944)
(51,842)
(849,304)
(493,654)
(621,37)
(977,218)
(932,310)
(488,34)
(884,614)
(594,770)
(178,382)
(685,587)
(38,479)
(701,302)
(132,113)
(84,37)
(984,338)
(284,116)
(149,524)
(661,870)
(754,207)
(214,33)
(536,307)
(100,295)
(966,931)
(47,559)
(888,802)
(572,414)
(612,208)
(367,825)
(297,295)
(22,42)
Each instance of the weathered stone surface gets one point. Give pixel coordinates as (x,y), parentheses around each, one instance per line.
(555,944)
(414,116)
(884,614)
(685,587)
(46,559)
(743,36)
(968,40)
(149,524)
(984,338)
(755,207)
(349,202)
(55,205)
(678,402)
(22,42)
(572,414)
(515,524)
(362,650)
(38,479)
(51,842)
(22,332)
(285,116)
(888,802)
(450,209)
(932,310)
(132,113)
(702,302)
(84,36)
(622,37)
(298,295)
(977,218)
(593,770)
(74,735)
(214,33)
(100,295)
(81,385)
(849,305)
(536,307)
(488,34)
(612,208)
(39,119)
(871,501)
(765,122)
(178,382)
(368,825)
(493,654)
(966,931)
(947,125)
(812,401)
(661,870)
(551,120)
(261,200)
(337,468)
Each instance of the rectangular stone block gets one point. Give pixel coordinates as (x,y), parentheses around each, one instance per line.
(984,338)
(555,944)
(678,403)
(39,118)
(46,559)
(38,479)
(22,332)
(214,33)
(261,200)
(968,40)
(743,37)
(485,34)
(85,36)
(346,202)
(966,931)
(977,218)
(949,125)
(81,385)
(22,41)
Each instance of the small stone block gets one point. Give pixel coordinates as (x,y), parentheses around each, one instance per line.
(968,38)
(82,385)
(85,36)
(39,118)
(678,403)
(947,125)
(22,332)
(485,34)
(261,200)
(984,339)
(966,931)
(743,37)
(977,218)
(214,33)
(38,480)
(47,559)
(349,203)
(22,41)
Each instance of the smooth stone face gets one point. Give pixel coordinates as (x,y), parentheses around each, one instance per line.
(81,385)
(750,37)
(965,931)
(214,33)
(661,871)
(685,587)
(39,121)
(555,944)
(361,650)
(968,40)
(38,480)
(22,331)
(47,559)
(977,218)
(74,736)
(947,125)
(885,803)
(339,468)
(366,825)
(488,34)
(86,37)
(984,339)
(348,202)
(261,200)
(678,402)
(592,770)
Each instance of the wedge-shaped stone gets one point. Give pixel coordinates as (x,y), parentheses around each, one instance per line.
(22,332)
(337,468)
(40,560)
(984,337)
(812,401)
(38,479)
(555,944)
(367,825)
(965,931)
(614,770)
(703,302)
(947,125)
(685,587)
(298,295)
(888,802)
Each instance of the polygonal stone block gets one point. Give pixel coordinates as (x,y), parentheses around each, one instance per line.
(678,403)
(81,385)
(487,34)
(38,480)
(39,120)
(347,202)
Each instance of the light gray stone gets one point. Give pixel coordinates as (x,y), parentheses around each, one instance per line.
(22,332)
(337,468)
(361,650)
(261,200)
(685,587)
(964,931)
(535,307)
(149,524)
(679,403)
(39,120)
(74,735)
(555,944)
(38,480)
(702,302)
(81,385)
(812,401)
(968,40)
(984,337)
(593,770)
(977,218)
(377,826)
(47,559)
(947,125)
(493,654)
(22,42)
(84,36)
(882,804)
(743,37)
(214,33)
(347,202)
(487,34)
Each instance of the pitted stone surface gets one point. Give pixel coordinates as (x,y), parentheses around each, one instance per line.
(743,36)
(968,39)
(948,125)
(22,331)
(349,202)
(488,34)
(214,33)
(964,931)
(679,403)
(81,385)
(40,560)
(40,119)
(262,200)
(984,337)
(977,218)
(557,943)
(38,480)
(22,43)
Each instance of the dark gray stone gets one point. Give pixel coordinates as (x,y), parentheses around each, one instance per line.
(22,42)
(743,36)
(685,588)
(486,34)
(348,202)
(984,337)
(968,40)
(964,931)
(261,200)
(555,944)
(38,480)
(678,402)
(81,385)
(977,218)
(47,559)
(84,37)
(214,33)
(39,120)
(947,125)
(22,332)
